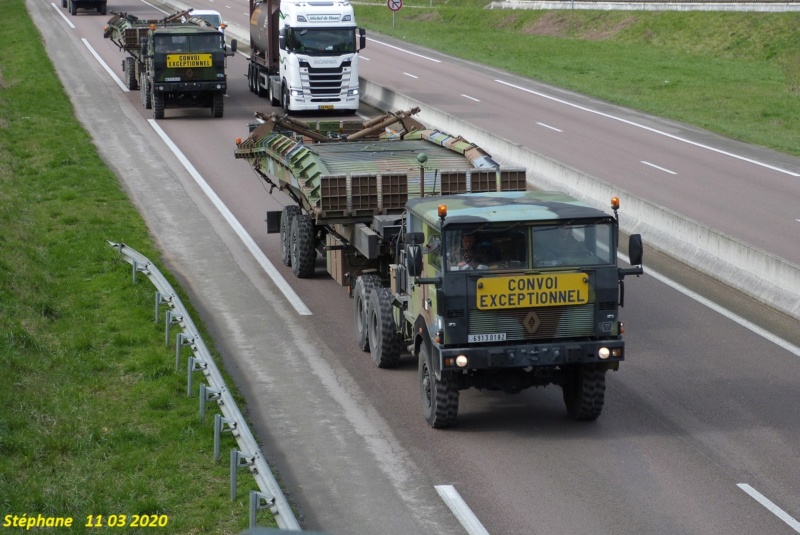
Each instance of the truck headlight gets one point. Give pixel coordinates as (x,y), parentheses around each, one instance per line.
(603,353)
(461,361)
(352,92)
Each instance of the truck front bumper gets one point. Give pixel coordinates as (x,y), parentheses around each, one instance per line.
(189,87)
(531,355)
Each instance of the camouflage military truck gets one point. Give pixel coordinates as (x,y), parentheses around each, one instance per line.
(175,62)
(447,256)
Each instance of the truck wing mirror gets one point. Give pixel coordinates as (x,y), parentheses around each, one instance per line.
(635,251)
(234,46)
(414,260)
(362,39)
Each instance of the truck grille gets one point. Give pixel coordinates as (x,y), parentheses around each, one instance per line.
(553,322)
(325,84)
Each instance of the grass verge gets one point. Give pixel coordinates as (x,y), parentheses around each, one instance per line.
(94,418)
(731,73)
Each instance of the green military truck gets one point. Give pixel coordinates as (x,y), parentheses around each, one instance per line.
(175,62)
(449,257)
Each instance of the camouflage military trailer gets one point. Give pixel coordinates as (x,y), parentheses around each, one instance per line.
(448,257)
(178,61)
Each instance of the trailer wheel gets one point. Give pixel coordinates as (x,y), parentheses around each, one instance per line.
(287,215)
(384,341)
(217,105)
(130,74)
(144,87)
(102,8)
(158,105)
(73,9)
(251,78)
(63,3)
(439,396)
(303,253)
(584,389)
(364,286)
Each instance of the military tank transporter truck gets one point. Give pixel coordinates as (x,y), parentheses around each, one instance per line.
(178,61)
(448,256)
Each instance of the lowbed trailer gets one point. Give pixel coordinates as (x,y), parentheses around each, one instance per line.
(449,257)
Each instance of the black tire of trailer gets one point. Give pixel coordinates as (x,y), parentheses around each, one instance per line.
(439,396)
(102,8)
(285,98)
(288,213)
(384,341)
(303,253)
(364,286)
(584,389)
(217,104)
(276,102)
(250,76)
(261,91)
(158,105)
(73,9)
(63,3)
(130,74)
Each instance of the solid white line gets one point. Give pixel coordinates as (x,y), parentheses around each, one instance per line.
(463,513)
(105,66)
(774,509)
(659,168)
(276,277)
(403,50)
(469,97)
(411,75)
(550,127)
(778,341)
(659,132)
(157,8)
(63,16)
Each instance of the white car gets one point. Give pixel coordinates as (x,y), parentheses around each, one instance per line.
(210,16)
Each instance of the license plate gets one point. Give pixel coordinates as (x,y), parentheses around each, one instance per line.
(494,337)
(326,106)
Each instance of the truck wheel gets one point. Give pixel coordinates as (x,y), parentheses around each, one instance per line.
(73,9)
(144,86)
(364,286)
(261,91)
(384,341)
(439,397)
(158,105)
(130,74)
(250,77)
(287,214)
(217,105)
(273,100)
(303,253)
(63,3)
(584,389)
(285,99)
(102,8)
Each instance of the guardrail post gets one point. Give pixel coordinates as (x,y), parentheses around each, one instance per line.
(181,340)
(238,460)
(259,501)
(170,318)
(195,364)
(219,427)
(207,394)
(160,298)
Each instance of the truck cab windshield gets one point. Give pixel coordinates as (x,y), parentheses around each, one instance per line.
(331,41)
(517,246)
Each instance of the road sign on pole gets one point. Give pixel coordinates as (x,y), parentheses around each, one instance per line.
(394,5)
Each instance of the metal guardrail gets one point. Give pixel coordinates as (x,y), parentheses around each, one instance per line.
(249,456)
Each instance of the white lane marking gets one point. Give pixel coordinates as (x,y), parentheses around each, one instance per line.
(365,58)
(469,97)
(752,327)
(63,16)
(404,50)
(774,509)
(411,75)
(276,277)
(105,66)
(463,513)
(155,7)
(550,127)
(649,129)
(659,168)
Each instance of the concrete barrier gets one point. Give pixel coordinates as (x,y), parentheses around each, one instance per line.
(757,273)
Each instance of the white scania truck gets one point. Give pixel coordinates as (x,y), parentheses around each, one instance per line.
(305,54)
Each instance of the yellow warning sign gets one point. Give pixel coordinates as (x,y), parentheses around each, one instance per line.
(533,291)
(185,61)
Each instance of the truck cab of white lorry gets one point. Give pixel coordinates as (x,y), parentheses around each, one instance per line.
(316,64)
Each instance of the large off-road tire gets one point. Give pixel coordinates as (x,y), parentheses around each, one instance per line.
(364,286)
(287,215)
(217,104)
(73,9)
(584,389)
(304,255)
(439,397)
(145,91)
(384,340)
(130,74)
(158,105)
